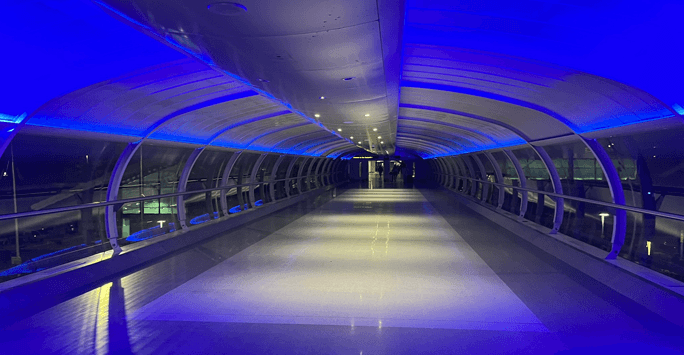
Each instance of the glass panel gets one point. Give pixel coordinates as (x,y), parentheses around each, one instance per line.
(241,175)
(50,240)
(303,181)
(581,176)
(540,207)
(206,173)
(478,175)
(263,191)
(294,181)
(54,172)
(159,168)
(280,174)
(512,197)
(490,173)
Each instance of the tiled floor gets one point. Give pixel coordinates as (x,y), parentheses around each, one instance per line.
(373,271)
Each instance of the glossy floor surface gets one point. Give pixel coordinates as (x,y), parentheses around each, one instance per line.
(371,271)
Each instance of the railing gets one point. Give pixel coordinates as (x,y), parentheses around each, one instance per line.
(61,247)
(655,243)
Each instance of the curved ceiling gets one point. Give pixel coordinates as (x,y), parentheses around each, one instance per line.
(430,78)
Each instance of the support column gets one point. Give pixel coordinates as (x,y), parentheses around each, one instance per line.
(224,182)
(473,175)
(483,174)
(499,179)
(252,180)
(113,194)
(557,188)
(464,174)
(616,191)
(182,185)
(287,176)
(274,177)
(523,183)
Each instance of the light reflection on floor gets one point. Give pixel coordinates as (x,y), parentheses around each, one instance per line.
(395,264)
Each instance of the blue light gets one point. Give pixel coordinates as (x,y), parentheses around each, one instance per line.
(146,234)
(12,119)
(237,208)
(27,267)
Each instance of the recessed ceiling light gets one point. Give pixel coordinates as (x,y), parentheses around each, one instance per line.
(227,8)
(317,115)
(352,137)
(339,129)
(367,115)
(382,142)
(322,97)
(375,129)
(379,137)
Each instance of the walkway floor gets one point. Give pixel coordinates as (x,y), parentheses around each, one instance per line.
(373,271)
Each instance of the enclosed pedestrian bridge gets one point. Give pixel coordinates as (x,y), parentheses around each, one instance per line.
(355,177)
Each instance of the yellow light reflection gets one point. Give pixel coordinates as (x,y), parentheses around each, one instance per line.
(102,320)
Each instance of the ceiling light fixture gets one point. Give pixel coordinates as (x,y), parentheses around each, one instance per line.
(382,142)
(322,97)
(339,129)
(367,115)
(352,137)
(317,115)
(375,129)
(379,137)
(359,142)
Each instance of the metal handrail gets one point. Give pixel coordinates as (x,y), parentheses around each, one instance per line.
(581,199)
(129,200)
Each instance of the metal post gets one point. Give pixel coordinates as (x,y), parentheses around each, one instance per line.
(616,191)
(224,182)
(113,194)
(299,175)
(523,182)
(274,176)
(483,174)
(499,178)
(463,175)
(473,175)
(252,179)
(557,188)
(182,185)
(287,175)
(17,259)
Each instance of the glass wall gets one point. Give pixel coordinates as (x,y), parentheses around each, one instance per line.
(206,173)
(652,176)
(41,172)
(152,170)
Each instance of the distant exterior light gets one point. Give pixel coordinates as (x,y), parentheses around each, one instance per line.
(375,129)
(367,115)
(339,129)
(317,115)
(322,97)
